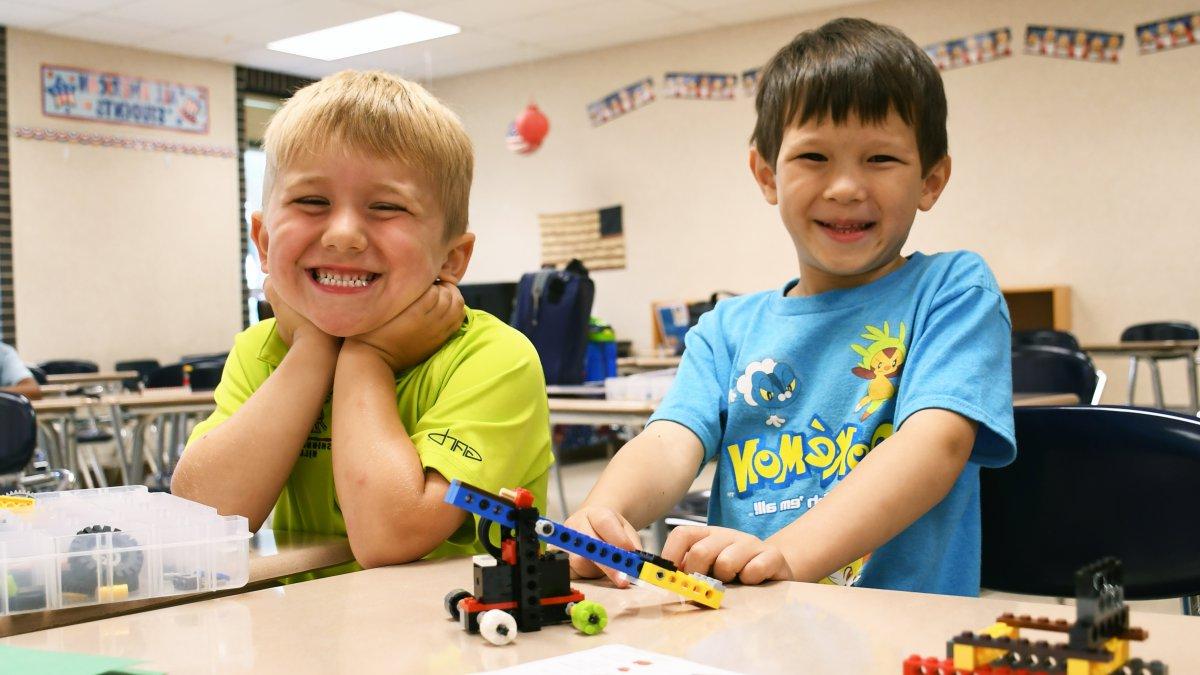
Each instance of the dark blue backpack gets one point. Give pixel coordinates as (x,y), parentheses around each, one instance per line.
(553,310)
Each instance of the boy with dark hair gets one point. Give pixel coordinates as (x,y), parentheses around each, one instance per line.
(848,411)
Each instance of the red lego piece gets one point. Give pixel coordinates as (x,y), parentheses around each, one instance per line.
(508,551)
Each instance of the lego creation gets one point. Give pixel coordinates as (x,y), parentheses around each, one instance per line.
(518,588)
(1097,642)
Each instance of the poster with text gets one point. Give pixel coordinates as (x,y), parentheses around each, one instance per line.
(84,94)
(1078,44)
(750,82)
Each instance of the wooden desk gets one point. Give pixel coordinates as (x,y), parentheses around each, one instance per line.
(92,378)
(391,620)
(1034,307)
(146,405)
(273,556)
(633,364)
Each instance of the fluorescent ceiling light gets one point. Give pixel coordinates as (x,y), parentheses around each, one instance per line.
(369,35)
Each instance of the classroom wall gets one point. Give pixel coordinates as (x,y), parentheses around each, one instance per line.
(120,253)
(1063,172)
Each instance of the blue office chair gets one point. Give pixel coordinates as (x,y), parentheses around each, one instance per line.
(1045,369)
(1095,481)
(18,444)
(1163,330)
(1045,336)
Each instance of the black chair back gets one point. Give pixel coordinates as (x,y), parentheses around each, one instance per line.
(204,358)
(166,376)
(69,367)
(1162,330)
(1043,369)
(143,367)
(39,375)
(1045,336)
(1089,482)
(206,375)
(18,432)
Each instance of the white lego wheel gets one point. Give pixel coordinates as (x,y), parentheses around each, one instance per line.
(497,626)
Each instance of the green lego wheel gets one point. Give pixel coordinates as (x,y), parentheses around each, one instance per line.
(588,617)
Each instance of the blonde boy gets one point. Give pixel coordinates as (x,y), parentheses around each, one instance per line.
(363,234)
(848,411)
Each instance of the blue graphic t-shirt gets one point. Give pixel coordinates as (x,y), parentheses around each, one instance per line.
(788,394)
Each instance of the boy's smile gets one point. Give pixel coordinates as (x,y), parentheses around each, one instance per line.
(847,194)
(351,240)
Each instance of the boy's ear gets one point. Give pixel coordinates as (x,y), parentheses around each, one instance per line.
(764,175)
(258,232)
(457,258)
(935,182)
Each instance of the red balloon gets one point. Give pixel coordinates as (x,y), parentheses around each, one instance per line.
(532,125)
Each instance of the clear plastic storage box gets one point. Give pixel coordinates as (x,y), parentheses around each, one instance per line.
(86,547)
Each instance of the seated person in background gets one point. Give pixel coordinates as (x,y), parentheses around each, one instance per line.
(15,376)
(351,410)
(849,410)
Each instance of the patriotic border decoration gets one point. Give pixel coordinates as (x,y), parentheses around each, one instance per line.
(702,86)
(750,82)
(107,141)
(622,101)
(595,237)
(1077,44)
(971,50)
(79,93)
(1164,34)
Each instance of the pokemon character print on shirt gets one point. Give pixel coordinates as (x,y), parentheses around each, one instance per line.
(769,385)
(881,362)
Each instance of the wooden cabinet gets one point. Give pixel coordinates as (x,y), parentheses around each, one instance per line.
(1034,307)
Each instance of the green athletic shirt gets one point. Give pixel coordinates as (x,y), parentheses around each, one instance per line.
(476,410)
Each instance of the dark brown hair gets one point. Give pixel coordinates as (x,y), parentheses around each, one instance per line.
(851,66)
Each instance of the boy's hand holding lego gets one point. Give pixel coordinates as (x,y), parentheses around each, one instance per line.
(607,525)
(726,554)
(418,331)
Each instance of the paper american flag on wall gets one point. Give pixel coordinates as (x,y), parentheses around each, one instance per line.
(596,237)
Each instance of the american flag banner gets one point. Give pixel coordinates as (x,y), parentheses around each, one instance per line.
(595,237)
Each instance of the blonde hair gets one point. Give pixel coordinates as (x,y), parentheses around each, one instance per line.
(383,116)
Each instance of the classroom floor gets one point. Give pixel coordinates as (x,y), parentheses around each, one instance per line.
(579,476)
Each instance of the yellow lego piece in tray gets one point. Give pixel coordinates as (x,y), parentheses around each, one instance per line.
(694,589)
(14,503)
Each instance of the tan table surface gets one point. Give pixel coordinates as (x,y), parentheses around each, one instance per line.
(60,404)
(391,620)
(167,396)
(273,555)
(1044,399)
(586,405)
(82,378)
(1145,347)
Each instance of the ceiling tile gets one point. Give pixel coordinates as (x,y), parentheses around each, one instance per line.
(191,43)
(645,31)
(584,19)
(263,25)
(757,10)
(23,15)
(96,28)
(188,15)
(475,14)
(81,6)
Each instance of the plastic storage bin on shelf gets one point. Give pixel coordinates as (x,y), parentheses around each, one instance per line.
(648,386)
(86,547)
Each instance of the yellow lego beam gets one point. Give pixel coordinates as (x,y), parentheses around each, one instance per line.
(684,584)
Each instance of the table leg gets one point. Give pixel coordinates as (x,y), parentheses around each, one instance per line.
(118,427)
(1133,364)
(1193,388)
(1156,380)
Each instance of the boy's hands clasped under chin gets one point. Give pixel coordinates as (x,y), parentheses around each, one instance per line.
(290,324)
(421,329)
(726,554)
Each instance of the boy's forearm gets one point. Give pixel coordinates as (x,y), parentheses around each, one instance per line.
(650,474)
(898,482)
(29,388)
(240,467)
(393,513)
